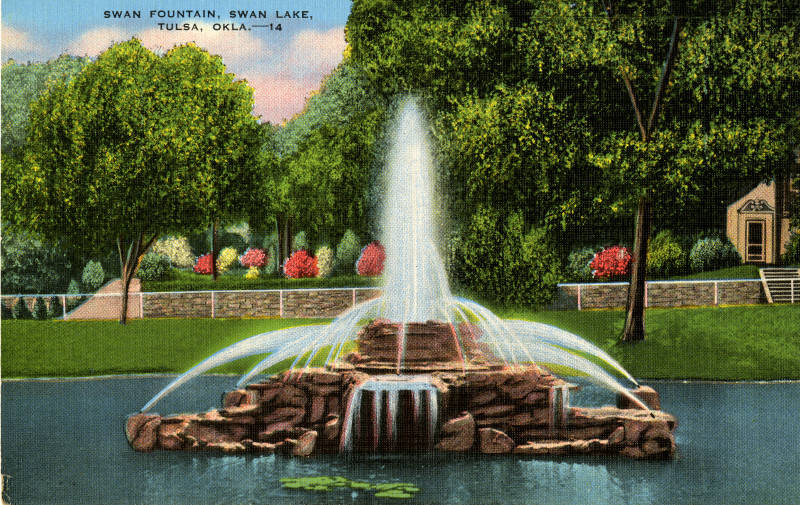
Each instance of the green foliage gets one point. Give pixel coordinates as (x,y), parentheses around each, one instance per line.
(74,288)
(6,312)
(792,255)
(228,239)
(500,260)
(32,266)
(347,253)
(300,241)
(154,267)
(665,256)
(577,268)
(40,309)
(324,483)
(712,253)
(21,85)
(21,310)
(188,281)
(93,275)
(176,249)
(324,261)
(54,308)
(227,258)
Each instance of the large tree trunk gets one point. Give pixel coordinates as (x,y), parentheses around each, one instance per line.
(129,262)
(284,237)
(634,321)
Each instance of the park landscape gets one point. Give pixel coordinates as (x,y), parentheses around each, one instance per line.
(567,141)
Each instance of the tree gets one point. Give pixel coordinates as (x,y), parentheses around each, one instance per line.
(133,147)
(21,85)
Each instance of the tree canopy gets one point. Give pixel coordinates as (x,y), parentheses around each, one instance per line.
(134,146)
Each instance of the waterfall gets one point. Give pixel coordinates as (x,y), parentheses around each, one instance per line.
(420,416)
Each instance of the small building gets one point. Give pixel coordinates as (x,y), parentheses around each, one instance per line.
(760,232)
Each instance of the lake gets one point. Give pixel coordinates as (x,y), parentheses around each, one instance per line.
(63,442)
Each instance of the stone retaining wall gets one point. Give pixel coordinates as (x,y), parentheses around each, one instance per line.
(661,294)
(285,303)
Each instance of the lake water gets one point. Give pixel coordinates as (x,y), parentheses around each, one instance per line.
(63,442)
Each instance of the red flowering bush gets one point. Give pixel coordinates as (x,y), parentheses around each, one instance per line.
(203,265)
(611,262)
(301,264)
(371,260)
(253,257)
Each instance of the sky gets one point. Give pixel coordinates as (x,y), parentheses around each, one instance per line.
(283,67)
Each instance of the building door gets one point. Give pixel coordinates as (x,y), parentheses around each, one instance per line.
(755,241)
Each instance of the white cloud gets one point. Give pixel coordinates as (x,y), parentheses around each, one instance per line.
(236,48)
(17,40)
(97,40)
(314,54)
(278,98)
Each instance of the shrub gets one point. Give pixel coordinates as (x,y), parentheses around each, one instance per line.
(792,255)
(31,266)
(497,259)
(40,309)
(253,258)
(347,252)
(21,310)
(578,268)
(325,261)
(252,273)
(611,263)
(300,265)
(154,267)
(54,308)
(73,289)
(712,253)
(6,312)
(665,256)
(176,249)
(93,275)
(371,260)
(203,265)
(300,241)
(227,257)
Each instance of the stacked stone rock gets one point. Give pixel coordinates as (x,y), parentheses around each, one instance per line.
(297,413)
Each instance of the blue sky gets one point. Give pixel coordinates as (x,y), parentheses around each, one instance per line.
(283,67)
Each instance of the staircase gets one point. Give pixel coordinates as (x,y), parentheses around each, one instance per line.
(781,285)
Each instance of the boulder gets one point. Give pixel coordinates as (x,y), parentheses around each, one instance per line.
(317,409)
(331,430)
(142,431)
(305,444)
(648,395)
(458,434)
(292,415)
(226,447)
(617,437)
(494,441)
(562,447)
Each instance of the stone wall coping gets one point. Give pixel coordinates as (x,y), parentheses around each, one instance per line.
(676,281)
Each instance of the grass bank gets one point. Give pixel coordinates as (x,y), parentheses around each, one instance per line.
(189,281)
(723,343)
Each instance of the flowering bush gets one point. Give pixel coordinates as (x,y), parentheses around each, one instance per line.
(665,256)
(227,257)
(203,265)
(611,262)
(252,273)
(371,260)
(325,261)
(253,257)
(300,265)
(176,249)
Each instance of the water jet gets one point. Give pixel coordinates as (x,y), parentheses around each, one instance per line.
(431,371)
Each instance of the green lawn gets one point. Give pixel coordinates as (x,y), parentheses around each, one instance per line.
(728,343)
(737,272)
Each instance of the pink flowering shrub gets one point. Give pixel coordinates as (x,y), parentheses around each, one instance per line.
(371,260)
(203,265)
(300,265)
(253,257)
(611,263)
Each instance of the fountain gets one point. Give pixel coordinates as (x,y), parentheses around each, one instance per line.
(431,371)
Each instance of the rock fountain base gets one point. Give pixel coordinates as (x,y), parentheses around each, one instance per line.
(436,404)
